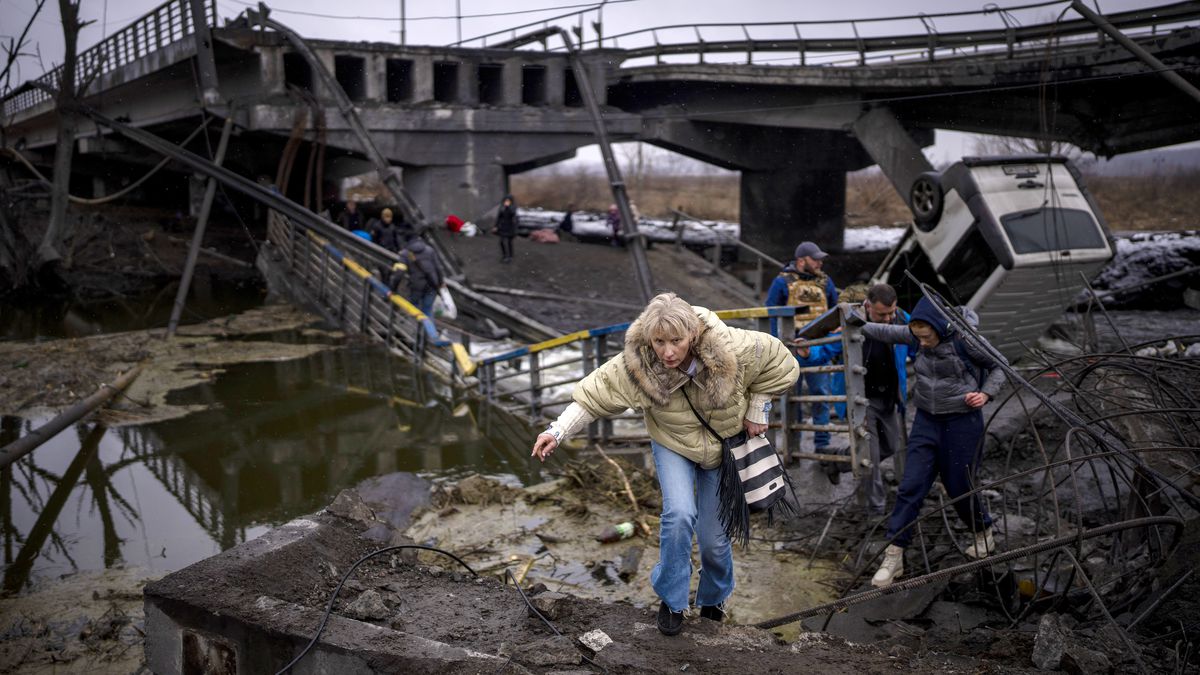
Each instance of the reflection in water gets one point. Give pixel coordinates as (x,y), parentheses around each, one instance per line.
(277,440)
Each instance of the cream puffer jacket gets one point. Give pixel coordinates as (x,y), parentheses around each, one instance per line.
(736,367)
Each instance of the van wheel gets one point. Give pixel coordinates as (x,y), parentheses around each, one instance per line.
(925,200)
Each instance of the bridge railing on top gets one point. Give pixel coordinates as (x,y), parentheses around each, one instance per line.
(990,31)
(168,23)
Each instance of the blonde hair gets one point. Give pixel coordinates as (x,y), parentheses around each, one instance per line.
(668,315)
(385,212)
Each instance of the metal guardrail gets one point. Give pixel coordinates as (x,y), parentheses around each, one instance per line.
(522,391)
(166,24)
(359,301)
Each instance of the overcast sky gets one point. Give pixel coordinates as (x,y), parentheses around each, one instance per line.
(434,22)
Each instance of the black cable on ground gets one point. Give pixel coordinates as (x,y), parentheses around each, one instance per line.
(508,574)
(346,576)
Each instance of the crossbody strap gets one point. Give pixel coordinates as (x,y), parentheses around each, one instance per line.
(697,414)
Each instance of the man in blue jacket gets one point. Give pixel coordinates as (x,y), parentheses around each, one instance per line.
(886,384)
(802,282)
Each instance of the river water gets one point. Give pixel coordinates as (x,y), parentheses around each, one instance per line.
(274,441)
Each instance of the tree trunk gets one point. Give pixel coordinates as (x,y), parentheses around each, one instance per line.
(57,229)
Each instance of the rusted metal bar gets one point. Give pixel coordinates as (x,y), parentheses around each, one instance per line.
(189,267)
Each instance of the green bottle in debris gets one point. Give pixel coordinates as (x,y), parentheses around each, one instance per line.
(615,533)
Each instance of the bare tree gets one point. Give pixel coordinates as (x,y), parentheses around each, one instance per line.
(58,230)
(13,267)
(1015,145)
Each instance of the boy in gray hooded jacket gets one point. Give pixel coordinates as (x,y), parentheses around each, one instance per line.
(949,392)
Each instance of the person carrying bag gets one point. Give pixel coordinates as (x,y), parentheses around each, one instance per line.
(675,354)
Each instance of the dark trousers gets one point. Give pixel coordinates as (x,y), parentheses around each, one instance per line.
(506,246)
(939,446)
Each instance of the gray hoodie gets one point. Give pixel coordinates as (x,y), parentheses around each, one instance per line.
(942,377)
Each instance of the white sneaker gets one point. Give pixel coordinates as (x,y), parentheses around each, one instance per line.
(983,546)
(892,567)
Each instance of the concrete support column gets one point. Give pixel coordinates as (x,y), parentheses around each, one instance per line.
(556,83)
(375,77)
(781,208)
(511,79)
(326,58)
(422,78)
(468,191)
(270,71)
(468,85)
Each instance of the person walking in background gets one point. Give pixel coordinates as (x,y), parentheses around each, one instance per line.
(680,363)
(614,224)
(886,383)
(424,274)
(954,379)
(567,224)
(802,282)
(506,227)
(350,218)
(386,232)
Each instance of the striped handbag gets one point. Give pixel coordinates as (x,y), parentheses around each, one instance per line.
(752,480)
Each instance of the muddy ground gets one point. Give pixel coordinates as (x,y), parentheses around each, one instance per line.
(42,377)
(90,622)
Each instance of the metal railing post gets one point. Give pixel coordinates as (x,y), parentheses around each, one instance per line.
(535,386)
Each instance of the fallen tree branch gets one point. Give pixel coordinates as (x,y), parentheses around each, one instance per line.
(31,441)
(637,509)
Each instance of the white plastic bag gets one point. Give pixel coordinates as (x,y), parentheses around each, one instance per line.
(469,229)
(443,305)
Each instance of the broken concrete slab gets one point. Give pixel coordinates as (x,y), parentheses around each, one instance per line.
(1050,643)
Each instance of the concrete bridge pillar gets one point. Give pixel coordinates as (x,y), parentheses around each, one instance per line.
(270,68)
(375,77)
(422,78)
(556,84)
(783,207)
(511,82)
(468,191)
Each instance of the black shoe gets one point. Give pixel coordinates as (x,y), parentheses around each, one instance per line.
(713,612)
(669,623)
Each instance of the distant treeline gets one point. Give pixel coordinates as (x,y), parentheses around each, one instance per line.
(1163,199)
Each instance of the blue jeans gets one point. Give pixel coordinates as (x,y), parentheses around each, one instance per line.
(945,446)
(818,385)
(424,302)
(690,506)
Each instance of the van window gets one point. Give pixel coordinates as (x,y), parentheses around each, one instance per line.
(1051,229)
(969,264)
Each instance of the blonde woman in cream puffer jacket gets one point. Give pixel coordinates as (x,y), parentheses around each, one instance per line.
(730,376)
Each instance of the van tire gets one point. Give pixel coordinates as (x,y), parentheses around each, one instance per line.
(925,198)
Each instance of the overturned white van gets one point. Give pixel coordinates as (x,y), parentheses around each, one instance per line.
(1008,237)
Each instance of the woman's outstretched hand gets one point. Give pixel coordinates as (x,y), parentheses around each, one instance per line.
(754,428)
(544,446)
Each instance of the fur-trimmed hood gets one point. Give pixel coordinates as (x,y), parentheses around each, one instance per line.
(718,378)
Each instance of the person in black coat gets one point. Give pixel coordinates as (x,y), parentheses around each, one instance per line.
(386,232)
(506,227)
(424,274)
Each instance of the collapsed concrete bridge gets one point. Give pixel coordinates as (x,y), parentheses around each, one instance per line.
(460,120)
